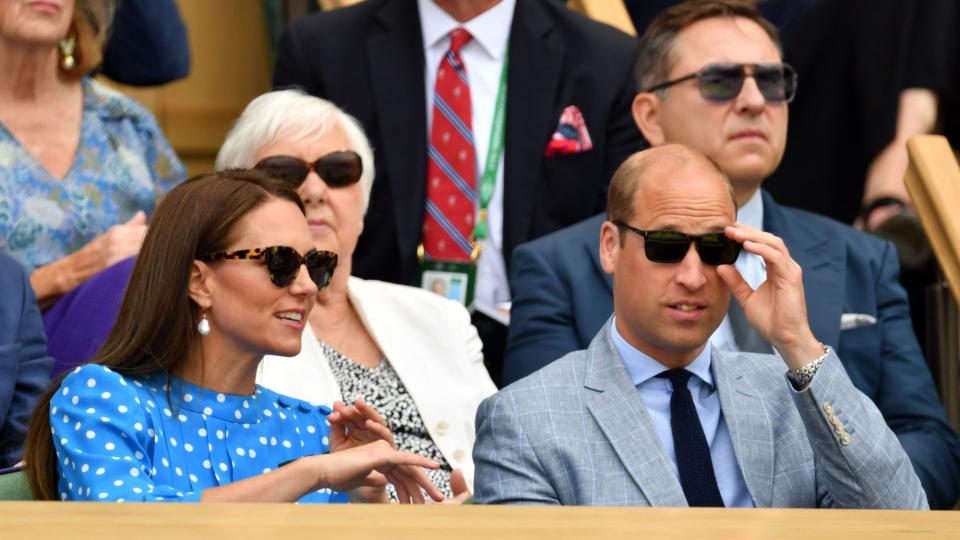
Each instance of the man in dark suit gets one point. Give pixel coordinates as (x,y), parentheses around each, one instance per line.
(854,302)
(377,61)
(24,364)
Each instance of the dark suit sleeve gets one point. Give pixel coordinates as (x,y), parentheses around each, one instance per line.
(25,359)
(907,396)
(292,68)
(542,326)
(623,137)
(148,44)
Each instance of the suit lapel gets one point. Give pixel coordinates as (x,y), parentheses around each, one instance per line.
(750,429)
(536,59)
(823,262)
(396,61)
(616,406)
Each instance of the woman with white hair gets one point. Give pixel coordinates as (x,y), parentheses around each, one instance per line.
(411,354)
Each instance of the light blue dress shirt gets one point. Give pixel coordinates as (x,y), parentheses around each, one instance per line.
(750,266)
(655,393)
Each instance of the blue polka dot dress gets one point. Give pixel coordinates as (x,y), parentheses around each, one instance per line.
(119,439)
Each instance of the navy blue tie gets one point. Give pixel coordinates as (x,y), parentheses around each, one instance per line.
(693,455)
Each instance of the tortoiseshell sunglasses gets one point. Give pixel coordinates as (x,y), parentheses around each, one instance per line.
(283,263)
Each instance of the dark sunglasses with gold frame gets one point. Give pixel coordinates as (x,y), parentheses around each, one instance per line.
(283,263)
(337,169)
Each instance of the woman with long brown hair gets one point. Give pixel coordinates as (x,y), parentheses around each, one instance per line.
(169,410)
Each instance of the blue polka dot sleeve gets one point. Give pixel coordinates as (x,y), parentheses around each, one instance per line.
(104,439)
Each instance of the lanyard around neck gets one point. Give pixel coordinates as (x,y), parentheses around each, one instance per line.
(488,180)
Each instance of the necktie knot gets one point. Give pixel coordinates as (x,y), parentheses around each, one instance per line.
(677,377)
(458,38)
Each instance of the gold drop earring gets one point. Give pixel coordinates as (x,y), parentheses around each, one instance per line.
(67,46)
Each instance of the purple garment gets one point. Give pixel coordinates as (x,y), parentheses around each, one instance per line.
(79,322)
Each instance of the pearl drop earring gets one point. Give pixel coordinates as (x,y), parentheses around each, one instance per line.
(204,325)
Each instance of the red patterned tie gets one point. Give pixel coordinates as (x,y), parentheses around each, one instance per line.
(451,161)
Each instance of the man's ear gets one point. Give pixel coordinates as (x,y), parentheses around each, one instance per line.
(198,287)
(609,246)
(646,114)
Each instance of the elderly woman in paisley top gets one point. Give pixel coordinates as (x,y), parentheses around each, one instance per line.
(81,166)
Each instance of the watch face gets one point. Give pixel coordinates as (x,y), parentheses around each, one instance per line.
(800,377)
(796,378)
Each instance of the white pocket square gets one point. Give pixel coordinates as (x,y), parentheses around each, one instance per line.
(856,320)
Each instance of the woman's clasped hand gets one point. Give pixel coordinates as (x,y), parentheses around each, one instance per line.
(359,436)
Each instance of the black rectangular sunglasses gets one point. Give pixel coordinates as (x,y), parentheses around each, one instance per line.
(672,246)
(283,263)
(336,169)
(723,82)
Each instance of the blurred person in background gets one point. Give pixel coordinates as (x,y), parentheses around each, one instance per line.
(148,44)
(24,364)
(875,72)
(81,166)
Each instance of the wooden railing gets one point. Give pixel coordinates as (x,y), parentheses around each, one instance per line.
(933,180)
(442,522)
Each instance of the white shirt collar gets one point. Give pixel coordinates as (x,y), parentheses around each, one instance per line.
(751,213)
(490,29)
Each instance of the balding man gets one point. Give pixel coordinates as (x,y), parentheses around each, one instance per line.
(712,78)
(651,414)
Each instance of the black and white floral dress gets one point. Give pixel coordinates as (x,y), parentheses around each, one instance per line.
(382,388)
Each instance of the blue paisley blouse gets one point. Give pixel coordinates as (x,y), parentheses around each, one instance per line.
(123,164)
(122,438)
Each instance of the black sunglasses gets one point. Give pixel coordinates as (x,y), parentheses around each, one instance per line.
(283,263)
(672,246)
(337,169)
(723,82)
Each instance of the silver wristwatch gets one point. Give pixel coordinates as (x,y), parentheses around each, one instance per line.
(800,378)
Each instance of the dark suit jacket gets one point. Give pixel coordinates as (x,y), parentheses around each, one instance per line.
(24,364)
(369,60)
(148,44)
(561,298)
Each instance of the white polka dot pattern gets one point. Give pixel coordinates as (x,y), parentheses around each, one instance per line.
(127,442)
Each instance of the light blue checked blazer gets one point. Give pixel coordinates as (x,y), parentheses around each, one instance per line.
(577,432)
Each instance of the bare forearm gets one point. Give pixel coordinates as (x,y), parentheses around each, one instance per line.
(286,484)
(51,281)
(800,353)
(917,113)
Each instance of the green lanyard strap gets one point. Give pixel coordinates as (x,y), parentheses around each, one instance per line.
(494,153)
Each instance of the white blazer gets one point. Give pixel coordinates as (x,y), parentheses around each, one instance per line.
(431,345)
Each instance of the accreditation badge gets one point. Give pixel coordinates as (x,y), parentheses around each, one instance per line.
(455,280)
(451,279)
